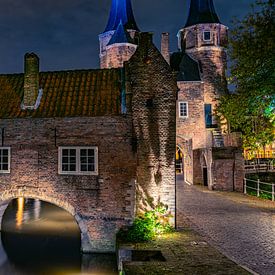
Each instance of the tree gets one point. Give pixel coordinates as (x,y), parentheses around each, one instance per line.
(251,108)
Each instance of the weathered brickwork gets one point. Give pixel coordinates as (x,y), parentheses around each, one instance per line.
(200,164)
(225,169)
(212,57)
(153,108)
(31,80)
(113,56)
(101,204)
(193,126)
(165,46)
(117,54)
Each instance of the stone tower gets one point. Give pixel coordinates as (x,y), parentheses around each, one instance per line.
(117,42)
(204,39)
(200,64)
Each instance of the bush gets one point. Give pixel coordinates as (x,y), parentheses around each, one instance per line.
(147,226)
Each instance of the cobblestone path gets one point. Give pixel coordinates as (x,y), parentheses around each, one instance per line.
(237,226)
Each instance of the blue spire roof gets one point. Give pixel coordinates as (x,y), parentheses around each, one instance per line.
(201,11)
(121,10)
(120,35)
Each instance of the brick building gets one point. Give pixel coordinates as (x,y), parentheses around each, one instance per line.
(101,143)
(204,154)
(98,143)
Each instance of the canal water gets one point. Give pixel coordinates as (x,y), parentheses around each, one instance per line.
(41,238)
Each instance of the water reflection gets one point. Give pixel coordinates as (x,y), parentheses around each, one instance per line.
(40,238)
(20,212)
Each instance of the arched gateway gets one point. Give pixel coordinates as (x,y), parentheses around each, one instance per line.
(97,143)
(7,197)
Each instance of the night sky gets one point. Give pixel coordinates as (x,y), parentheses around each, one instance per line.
(64,33)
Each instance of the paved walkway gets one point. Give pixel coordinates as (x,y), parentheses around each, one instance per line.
(242,228)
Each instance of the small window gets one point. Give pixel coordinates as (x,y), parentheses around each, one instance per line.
(207,36)
(183,109)
(4,160)
(78,160)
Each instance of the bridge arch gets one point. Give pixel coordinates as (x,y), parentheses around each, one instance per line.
(7,197)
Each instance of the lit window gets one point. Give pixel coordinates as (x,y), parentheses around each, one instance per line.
(4,160)
(207,36)
(78,160)
(183,109)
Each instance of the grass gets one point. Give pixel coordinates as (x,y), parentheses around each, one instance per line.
(265,190)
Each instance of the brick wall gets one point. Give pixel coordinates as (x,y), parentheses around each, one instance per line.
(211,55)
(101,204)
(113,56)
(153,108)
(117,54)
(227,168)
(192,127)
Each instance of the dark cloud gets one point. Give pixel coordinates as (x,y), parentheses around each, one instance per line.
(64,33)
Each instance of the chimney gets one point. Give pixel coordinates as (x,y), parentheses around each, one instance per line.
(165,46)
(31,80)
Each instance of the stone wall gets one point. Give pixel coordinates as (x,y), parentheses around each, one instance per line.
(153,95)
(102,204)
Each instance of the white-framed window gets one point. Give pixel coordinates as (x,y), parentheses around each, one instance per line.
(207,36)
(183,109)
(78,160)
(5,159)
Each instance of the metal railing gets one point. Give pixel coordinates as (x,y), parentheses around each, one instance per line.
(259,166)
(269,188)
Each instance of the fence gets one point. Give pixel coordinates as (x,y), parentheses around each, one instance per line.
(261,189)
(259,166)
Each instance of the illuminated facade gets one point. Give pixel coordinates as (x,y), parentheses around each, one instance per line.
(99,143)
(208,157)
(200,65)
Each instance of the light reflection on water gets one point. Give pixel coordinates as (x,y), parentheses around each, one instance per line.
(40,238)
(20,212)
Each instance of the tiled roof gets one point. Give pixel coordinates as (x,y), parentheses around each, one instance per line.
(187,68)
(65,94)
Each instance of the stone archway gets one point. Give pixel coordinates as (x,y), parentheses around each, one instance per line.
(7,197)
(186,146)
(179,160)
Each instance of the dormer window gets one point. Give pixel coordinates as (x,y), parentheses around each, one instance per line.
(206,35)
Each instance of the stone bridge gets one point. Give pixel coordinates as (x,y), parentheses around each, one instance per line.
(101,203)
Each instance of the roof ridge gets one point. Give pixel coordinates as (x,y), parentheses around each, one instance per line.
(62,71)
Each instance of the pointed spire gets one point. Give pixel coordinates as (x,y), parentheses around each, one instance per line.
(201,11)
(121,10)
(120,35)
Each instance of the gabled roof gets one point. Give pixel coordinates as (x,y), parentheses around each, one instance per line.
(187,68)
(121,10)
(120,36)
(65,94)
(201,11)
